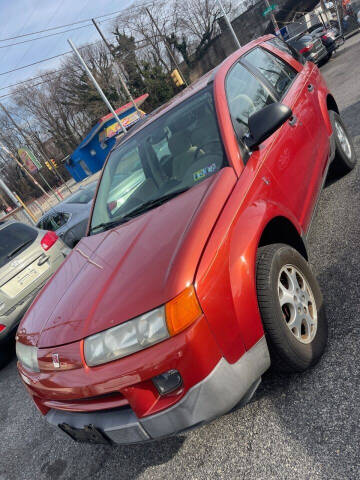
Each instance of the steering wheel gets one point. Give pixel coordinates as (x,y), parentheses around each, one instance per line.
(198,149)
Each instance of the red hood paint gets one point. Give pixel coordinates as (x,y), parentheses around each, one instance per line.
(116,275)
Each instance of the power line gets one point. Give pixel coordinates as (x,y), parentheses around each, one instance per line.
(129,9)
(44,60)
(53,34)
(44,36)
(31,79)
(56,28)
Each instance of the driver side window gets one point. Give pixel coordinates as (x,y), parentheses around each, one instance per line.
(246,95)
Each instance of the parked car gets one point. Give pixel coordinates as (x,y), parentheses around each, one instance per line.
(69,218)
(28,258)
(165,314)
(311,48)
(328,39)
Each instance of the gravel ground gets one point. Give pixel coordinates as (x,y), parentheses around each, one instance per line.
(298,427)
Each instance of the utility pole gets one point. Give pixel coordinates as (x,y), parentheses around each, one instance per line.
(28,141)
(166,45)
(236,40)
(119,67)
(97,86)
(272,16)
(339,19)
(16,201)
(323,8)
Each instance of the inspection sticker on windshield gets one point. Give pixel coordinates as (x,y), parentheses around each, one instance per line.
(202,173)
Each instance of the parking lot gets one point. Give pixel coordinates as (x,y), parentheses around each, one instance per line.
(297,427)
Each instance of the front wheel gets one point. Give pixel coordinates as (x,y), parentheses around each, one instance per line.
(345,156)
(291,307)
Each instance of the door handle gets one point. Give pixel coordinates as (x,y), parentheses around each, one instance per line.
(44,258)
(310,87)
(293,120)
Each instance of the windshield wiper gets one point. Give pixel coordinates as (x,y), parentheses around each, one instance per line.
(106,225)
(139,210)
(18,248)
(153,203)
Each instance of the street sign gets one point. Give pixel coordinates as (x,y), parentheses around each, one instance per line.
(268,10)
(29,160)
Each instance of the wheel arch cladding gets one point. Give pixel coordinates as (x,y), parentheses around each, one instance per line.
(331,104)
(282,230)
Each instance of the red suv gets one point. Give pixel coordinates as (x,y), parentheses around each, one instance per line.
(194,270)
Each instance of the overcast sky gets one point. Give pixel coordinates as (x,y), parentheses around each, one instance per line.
(18,17)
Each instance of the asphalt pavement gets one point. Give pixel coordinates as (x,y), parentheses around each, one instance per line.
(297,427)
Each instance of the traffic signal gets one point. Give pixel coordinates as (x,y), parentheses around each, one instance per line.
(177,78)
(48,165)
(53,163)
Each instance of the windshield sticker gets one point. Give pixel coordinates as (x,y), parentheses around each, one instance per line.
(203,172)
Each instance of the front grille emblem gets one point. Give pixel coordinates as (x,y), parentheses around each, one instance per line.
(56,360)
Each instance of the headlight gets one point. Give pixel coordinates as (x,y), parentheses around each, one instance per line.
(127,338)
(27,356)
(143,331)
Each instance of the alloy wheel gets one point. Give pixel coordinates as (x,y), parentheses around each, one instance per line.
(297,304)
(343,139)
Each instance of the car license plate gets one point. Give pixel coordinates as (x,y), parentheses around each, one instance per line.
(23,279)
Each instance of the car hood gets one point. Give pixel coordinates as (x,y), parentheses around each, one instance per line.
(116,275)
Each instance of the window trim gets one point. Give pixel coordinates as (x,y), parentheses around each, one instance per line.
(245,152)
(257,72)
(296,56)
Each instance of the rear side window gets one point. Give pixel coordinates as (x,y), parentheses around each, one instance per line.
(286,48)
(278,73)
(14,239)
(245,95)
(54,222)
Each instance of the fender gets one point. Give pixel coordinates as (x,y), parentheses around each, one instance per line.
(226,276)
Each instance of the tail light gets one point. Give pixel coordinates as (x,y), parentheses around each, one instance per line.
(48,240)
(307,48)
(2,327)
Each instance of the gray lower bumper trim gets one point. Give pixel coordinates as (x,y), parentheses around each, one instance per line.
(218,393)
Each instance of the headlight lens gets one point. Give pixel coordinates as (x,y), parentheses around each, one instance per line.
(27,356)
(127,338)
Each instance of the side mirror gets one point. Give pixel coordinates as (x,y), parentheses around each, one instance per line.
(265,122)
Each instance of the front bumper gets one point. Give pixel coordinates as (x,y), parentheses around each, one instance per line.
(225,386)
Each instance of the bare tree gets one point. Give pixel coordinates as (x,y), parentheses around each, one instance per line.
(197,24)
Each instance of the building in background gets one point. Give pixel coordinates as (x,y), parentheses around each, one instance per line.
(90,155)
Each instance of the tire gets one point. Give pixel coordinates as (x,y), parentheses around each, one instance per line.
(291,350)
(345,157)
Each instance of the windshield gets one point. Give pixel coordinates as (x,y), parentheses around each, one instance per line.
(15,238)
(171,155)
(83,195)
